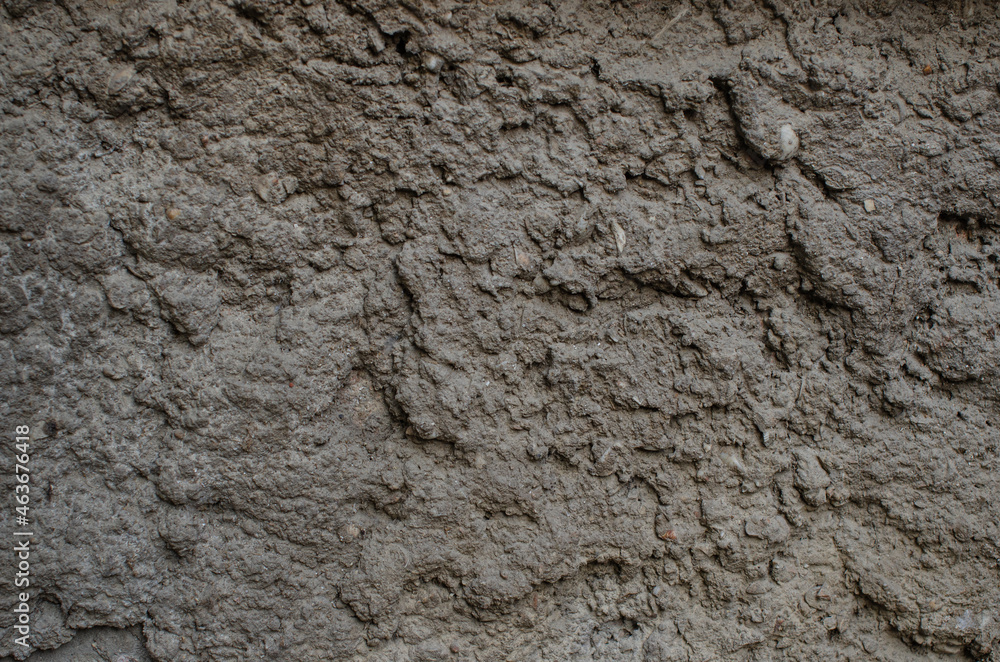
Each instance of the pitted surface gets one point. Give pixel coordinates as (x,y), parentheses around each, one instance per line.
(657,331)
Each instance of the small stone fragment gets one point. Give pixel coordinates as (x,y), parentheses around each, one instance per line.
(620,238)
(772,529)
(540,284)
(432,62)
(869,205)
(120,80)
(810,477)
(789,142)
(782,571)
(663,529)
(274,190)
(838,495)
(522,259)
(113,372)
(264,184)
(733,462)
(125,291)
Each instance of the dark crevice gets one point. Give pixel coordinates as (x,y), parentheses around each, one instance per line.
(400,40)
(595,68)
(819,182)
(725,89)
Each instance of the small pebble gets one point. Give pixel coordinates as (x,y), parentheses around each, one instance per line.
(869,205)
(120,80)
(265,187)
(173,213)
(734,463)
(928,69)
(789,142)
(620,238)
(432,62)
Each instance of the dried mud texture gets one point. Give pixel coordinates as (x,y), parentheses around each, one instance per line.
(660,331)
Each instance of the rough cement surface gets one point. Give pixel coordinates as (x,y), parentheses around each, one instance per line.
(484,331)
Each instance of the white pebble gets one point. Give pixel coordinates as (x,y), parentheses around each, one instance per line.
(789,142)
(432,62)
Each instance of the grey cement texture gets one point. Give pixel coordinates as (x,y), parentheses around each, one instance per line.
(399,331)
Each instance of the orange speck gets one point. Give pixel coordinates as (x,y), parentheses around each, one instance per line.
(290,384)
(928,69)
(668,535)
(173,213)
